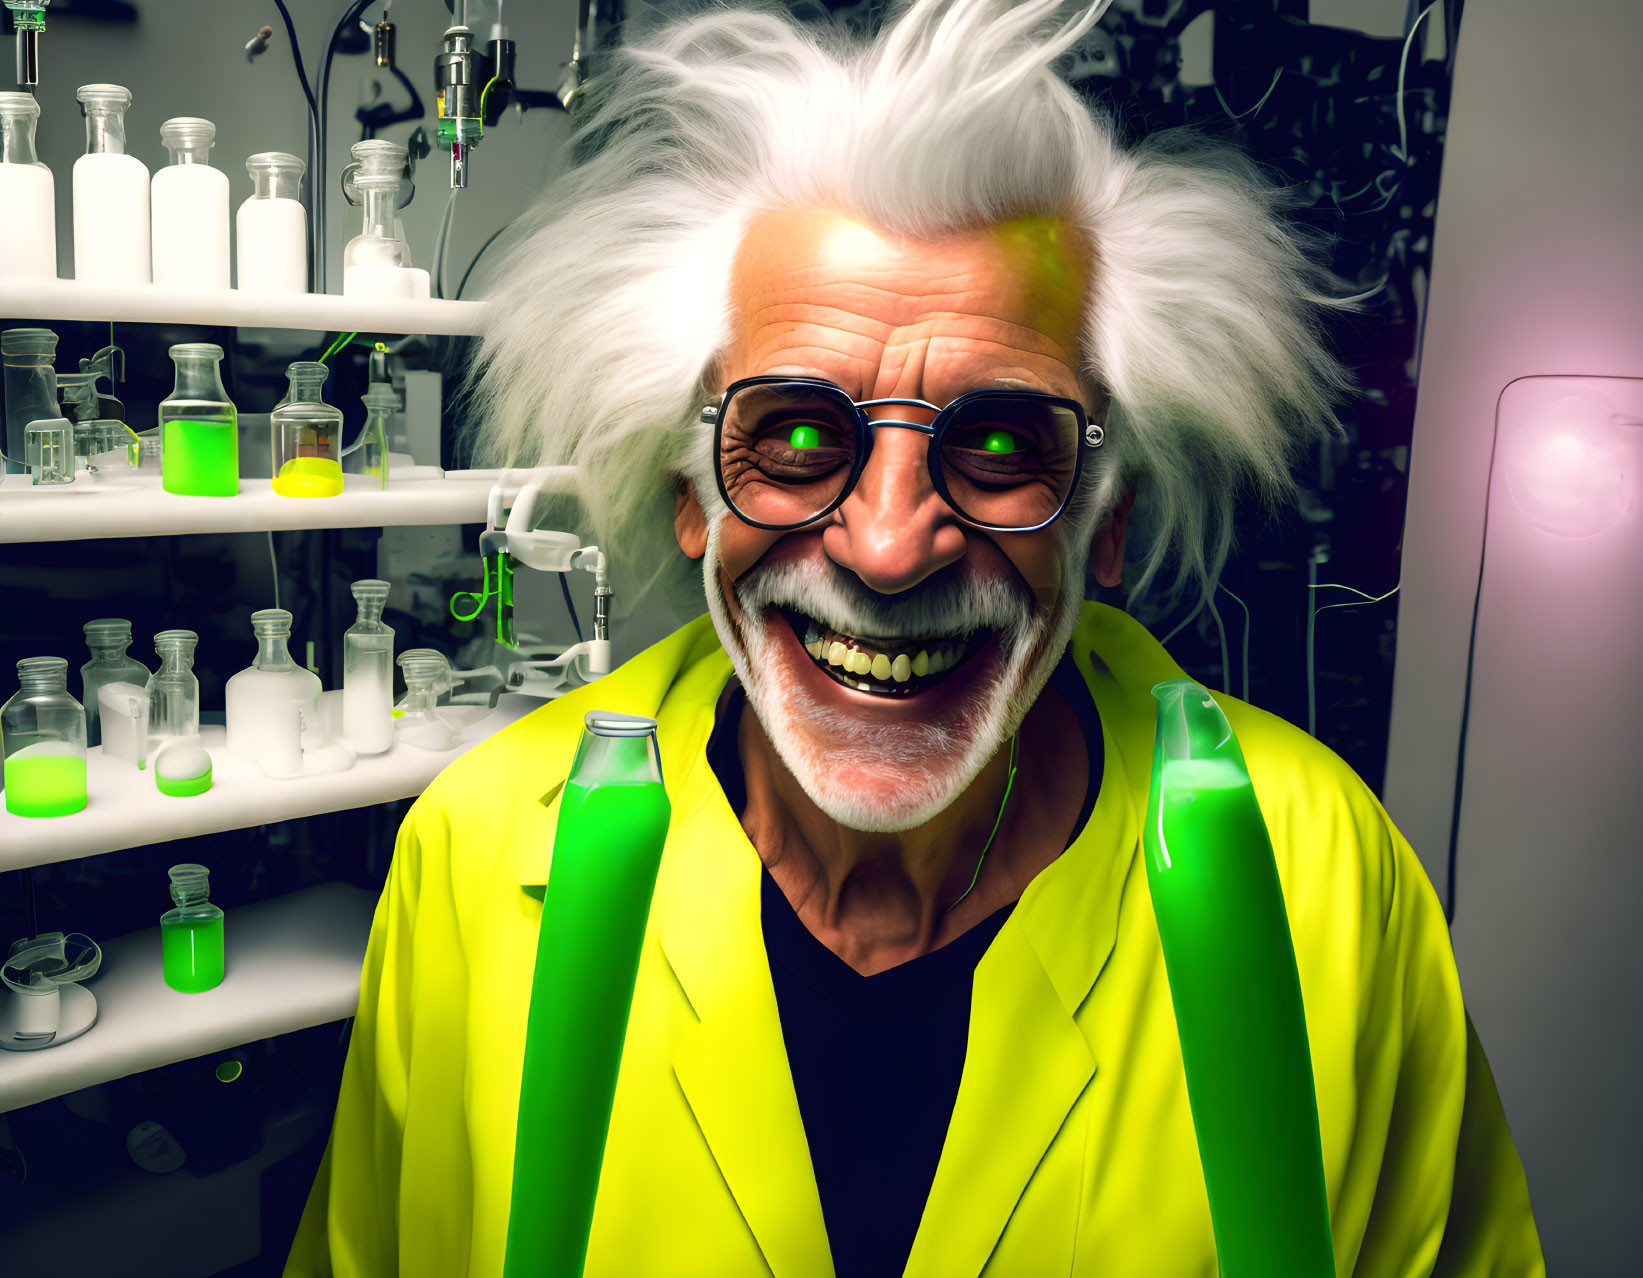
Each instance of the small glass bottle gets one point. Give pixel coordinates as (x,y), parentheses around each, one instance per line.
(271,701)
(189,222)
(271,228)
(173,690)
(191,940)
(30,385)
(377,261)
(368,673)
(306,436)
(199,427)
(27,195)
(112,241)
(43,740)
(368,455)
(108,638)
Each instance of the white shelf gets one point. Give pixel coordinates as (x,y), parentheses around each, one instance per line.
(127,811)
(130,506)
(289,963)
(150,304)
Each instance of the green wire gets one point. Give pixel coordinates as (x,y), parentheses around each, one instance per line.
(337,345)
(1009,784)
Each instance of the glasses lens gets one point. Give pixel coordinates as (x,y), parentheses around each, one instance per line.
(786,451)
(1009,460)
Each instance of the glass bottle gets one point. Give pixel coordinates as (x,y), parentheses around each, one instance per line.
(368,455)
(108,638)
(199,428)
(271,701)
(43,740)
(427,675)
(31,386)
(27,195)
(173,690)
(376,262)
(191,940)
(368,673)
(48,450)
(271,228)
(112,240)
(306,436)
(189,223)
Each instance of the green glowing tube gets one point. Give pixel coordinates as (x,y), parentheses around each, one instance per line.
(613,818)
(1237,997)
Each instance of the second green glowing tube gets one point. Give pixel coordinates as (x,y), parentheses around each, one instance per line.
(613,818)
(1237,996)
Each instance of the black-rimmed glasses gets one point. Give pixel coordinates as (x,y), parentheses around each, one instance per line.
(789,450)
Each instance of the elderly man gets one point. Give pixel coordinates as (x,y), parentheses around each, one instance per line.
(886,340)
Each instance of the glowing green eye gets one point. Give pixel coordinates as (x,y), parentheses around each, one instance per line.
(804,437)
(999,441)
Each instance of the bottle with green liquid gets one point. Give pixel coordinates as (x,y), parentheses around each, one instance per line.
(191,950)
(613,818)
(199,427)
(1237,996)
(43,741)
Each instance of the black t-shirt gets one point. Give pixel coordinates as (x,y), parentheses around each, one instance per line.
(876,1060)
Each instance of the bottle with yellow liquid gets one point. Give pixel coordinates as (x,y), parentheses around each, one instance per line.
(199,427)
(43,739)
(306,436)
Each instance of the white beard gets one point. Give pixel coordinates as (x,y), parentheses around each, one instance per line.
(876,777)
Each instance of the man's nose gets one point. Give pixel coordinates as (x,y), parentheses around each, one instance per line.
(894,529)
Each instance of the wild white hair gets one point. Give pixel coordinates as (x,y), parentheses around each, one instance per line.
(610,298)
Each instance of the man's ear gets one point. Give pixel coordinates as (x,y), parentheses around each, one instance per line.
(689,520)
(1107,547)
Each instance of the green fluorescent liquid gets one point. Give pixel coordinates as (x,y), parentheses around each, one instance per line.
(45,785)
(605,855)
(191,953)
(200,459)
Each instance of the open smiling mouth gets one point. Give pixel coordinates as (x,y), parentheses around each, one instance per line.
(886,668)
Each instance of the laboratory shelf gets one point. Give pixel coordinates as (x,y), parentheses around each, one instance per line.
(132,506)
(289,962)
(127,811)
(151,304)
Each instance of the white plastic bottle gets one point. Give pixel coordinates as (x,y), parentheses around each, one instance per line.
(111,234)
(190,210)
(27,195)
(271,228)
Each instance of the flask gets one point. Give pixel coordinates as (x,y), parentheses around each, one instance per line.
(377,261)
(173,690)
(43,740)
(271,701)
(108,638)
(191,941)
(189,223)
(27,195)
(199,428)
(368,455)
(1237,996)
(306,436)
(613,818)
(111,197)
(368,673)
(271,228)
(31,387)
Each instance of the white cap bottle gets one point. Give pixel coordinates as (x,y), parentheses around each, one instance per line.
(190,210)
(27,198)
(271,228)
(111,235)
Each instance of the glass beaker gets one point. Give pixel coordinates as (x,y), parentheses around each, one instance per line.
(173,690)
(108,638)
(374,261)
(199,429)
(306,436)
(190,210)
(112,241)
(368,455)
(271,253)
(427,675)
(43,739)
(48,450)
(271,701)
(27,194)
(31,386)
(191,935)
(368,673)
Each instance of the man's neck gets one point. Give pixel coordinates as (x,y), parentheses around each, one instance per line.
(880,899)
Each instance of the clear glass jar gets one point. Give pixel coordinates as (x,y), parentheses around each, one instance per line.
(31,386)
(191,935)
(199,427)
(270,702)
(368,673)
(189,210)
(374,261)
(108,638)
(271,228)
(306,436)
(43,740)
(368,455)
(27,195)
(173,690)
(112,239)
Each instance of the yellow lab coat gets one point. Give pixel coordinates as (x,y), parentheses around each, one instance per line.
(1070,1150)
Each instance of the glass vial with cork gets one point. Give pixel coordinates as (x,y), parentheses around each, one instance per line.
(189,210)
(306,436)
(112,240)
(191,934)
(368,673)
(43,740)
(108,638)
(271,228)
(199,427)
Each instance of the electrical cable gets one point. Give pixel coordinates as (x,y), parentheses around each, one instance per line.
(465,274)
(350,14)
(1226,657)
(571,607)
(1244,695)
(313,122)
(274,564)
(296,55)
(1311,633)
(442,242)
(1185,622)
(1276,76)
